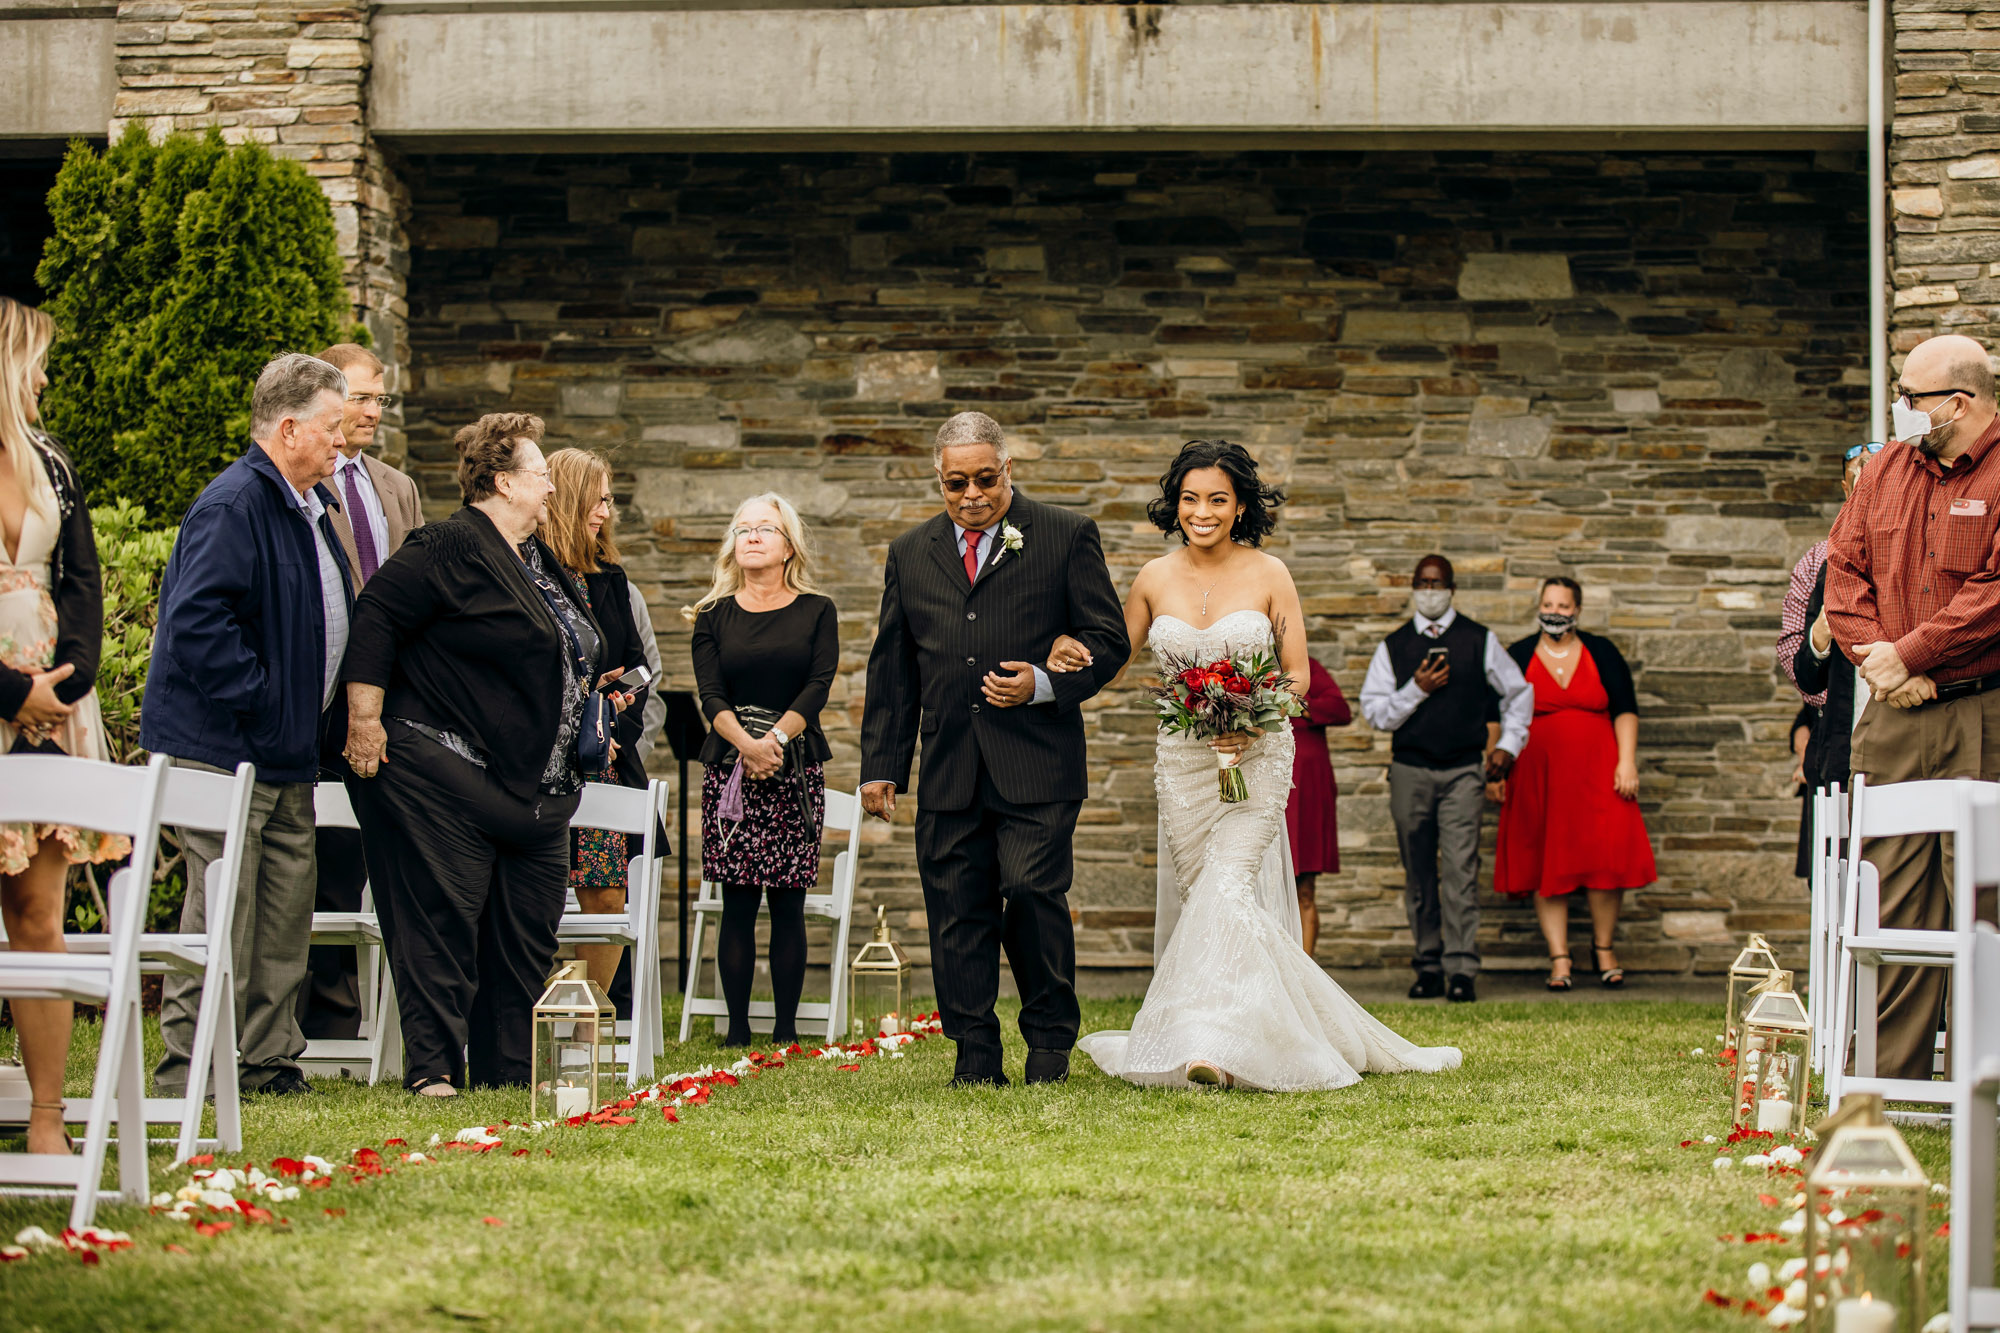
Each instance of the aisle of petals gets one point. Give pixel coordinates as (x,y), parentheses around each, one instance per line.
(216,1199)
(1777,1286)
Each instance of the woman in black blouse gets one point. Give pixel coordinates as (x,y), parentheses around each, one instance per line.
(766,646)
(471,658)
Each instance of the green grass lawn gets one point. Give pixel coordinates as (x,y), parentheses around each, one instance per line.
(1540,1187)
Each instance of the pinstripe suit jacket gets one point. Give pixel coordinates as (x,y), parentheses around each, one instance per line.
(939,636)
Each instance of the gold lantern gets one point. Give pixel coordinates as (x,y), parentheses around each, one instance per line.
(576,1037)
(878,986)
(1865,1255)
(1755,963)
(1772,1064)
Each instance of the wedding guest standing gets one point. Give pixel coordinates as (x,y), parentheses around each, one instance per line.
(766,645)
(378,508)
(1309,814)
(580,530)
(255,607)
(49,645)
(473,658)
(1433,684)
(1571,818)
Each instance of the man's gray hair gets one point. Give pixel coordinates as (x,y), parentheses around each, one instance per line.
(969,428)
(290,386)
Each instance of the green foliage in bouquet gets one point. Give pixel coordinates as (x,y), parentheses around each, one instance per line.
(176,270)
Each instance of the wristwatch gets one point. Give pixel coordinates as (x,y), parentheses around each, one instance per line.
(779,732)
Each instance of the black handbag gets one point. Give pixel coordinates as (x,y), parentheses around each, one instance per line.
(758,721)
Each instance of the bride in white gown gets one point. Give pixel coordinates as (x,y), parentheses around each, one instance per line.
(1235,999)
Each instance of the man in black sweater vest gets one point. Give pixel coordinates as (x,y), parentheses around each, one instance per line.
(1432,685)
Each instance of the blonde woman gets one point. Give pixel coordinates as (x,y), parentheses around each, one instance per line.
(51,630)
(766,646)
(581,529)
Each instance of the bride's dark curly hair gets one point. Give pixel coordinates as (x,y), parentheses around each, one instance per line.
(1257,519)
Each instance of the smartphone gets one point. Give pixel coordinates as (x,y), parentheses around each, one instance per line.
(1436,657)
(635,677)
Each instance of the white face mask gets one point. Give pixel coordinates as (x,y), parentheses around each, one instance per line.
(1910,423)
(1431,603)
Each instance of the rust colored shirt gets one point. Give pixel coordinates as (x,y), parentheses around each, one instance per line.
(1913,560)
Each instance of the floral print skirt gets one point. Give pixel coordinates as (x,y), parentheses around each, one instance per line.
(773,847)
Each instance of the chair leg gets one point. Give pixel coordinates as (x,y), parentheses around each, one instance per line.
(385,1055)
(1865,1020)
(134,1182)
(228,1077)
(694,973)
(216,988)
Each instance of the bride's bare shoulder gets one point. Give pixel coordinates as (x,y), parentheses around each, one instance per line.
(1151,572)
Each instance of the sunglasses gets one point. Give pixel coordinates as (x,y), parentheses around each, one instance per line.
(985,481)
(1872,447)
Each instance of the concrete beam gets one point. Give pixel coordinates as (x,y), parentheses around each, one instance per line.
(1597,71)
(57,73)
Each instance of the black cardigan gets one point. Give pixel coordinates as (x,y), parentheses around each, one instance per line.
(75,586)
(1830,750)
(611,602)
(453,627)
(1611,668)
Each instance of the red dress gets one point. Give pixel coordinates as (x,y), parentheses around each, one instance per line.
(1564,828)
(1309,817)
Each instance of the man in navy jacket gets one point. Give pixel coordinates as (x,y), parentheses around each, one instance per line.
(254,614)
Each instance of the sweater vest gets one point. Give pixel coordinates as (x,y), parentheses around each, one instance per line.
(1448,730)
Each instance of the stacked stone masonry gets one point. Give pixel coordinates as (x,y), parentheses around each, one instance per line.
(1637,368)
(295,79)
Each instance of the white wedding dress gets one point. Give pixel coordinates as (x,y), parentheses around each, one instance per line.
(1232,982)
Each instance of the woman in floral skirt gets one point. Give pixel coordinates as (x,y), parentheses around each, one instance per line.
(766,645)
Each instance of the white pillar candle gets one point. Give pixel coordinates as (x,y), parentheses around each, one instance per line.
(572,1102)
(1774,1116)
(1861,1315)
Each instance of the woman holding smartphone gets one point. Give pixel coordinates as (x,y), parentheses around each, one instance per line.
(766,646)
(581,530)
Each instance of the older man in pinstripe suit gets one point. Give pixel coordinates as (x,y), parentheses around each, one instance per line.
(972,601)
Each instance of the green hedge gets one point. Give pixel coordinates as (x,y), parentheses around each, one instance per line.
(177,269)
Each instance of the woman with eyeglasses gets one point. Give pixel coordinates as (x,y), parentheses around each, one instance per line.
(766,645)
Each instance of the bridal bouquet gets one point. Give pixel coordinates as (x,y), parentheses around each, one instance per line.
(1240,692)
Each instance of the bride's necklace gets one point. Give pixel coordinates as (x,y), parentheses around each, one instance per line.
(1204,596)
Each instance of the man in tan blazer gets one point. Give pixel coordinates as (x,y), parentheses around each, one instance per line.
(378,508)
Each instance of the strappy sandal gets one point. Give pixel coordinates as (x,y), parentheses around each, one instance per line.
(437,1086)
(1204,1074)
(1560,983)
(69,1144)
(1611,977)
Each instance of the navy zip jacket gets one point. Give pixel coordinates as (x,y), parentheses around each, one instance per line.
(240,652)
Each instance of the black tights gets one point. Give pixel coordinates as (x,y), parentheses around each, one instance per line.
(736,957)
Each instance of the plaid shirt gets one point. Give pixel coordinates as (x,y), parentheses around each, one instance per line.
(1913,560)
(1792,615)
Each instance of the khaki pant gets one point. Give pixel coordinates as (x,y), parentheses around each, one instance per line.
(1959,739)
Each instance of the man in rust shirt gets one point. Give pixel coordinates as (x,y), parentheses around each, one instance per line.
(1913,598)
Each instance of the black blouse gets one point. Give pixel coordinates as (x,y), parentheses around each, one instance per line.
(1612,670)
(783,660)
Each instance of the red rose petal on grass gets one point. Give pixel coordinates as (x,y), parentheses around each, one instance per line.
(621,1119)
(172,1248)
(493,1222)
(520,1152)
(88,1257)
(213,1228)
(255,1214)
(288,1166)
(367,1157)
(395,1143)
(10,1258)
(726,1080)
(205,1159)
(1768,1200)
(336,1212)
(850,1068)
(1944,1229)
(548,1152)
(1687,1143)
(667,1114)
(699,1097)
(1717,1299)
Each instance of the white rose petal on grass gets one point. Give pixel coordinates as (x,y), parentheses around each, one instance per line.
(1786,1155)
(217,1199)
(1708,1138)
(1939,1187)
(12,1252)
(1793,1225)
(35,1238)
(1835,1218)
(221,1180)
(1795,1293)
(1784,1316)
(1757,1159)
(1790,1269)
(163,1201)
(1938,1323)
(1724,1163)
(1760,1276)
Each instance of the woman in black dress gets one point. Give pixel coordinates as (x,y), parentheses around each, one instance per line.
(766,645)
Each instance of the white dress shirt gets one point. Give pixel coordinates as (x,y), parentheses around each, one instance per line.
(371,501)
(989,543)
(332,592)
(1388,708)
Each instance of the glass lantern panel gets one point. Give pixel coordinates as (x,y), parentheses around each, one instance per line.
(875,996)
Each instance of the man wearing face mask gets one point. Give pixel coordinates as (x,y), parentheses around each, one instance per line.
(1431,685)
(1913,599)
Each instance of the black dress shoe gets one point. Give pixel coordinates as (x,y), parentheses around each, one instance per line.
(1427,986)
(1047,1067)
(285,1083)
(978,1081)
(1461,991)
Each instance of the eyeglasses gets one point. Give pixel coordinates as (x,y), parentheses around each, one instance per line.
(1872,447)
(385,401)
(1911,396)
(603,502)
(541,472)
(985,481)
(768,531)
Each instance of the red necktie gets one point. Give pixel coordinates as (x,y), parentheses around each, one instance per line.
(972,556)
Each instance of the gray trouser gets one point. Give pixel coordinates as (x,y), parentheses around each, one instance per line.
(269,934)
(1437,814)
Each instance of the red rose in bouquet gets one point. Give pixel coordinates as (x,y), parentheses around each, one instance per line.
(1242,692)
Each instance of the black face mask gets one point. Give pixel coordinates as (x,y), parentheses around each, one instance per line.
(1557,626)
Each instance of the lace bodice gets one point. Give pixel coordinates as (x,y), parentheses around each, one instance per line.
(1239,631)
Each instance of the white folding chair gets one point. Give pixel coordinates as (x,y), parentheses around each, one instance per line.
(1970,812)
(51,789)
(379,1047)
(1975,1302)
(638,812)
(843,815)
(1829,870)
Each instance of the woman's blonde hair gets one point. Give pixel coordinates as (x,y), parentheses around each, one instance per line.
(25,335)
(579,477)
(729,577)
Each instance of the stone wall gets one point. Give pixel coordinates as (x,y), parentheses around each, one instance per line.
(1637,369)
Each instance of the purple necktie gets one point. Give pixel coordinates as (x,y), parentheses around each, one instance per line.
(357,518)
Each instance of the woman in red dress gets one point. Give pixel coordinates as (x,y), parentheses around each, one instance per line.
(1570,818)
(1309,820)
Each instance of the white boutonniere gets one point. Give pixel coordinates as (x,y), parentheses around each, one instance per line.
(1010,537)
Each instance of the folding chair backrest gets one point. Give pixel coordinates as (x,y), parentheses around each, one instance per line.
(1899,809)
(86,793)
(213,803)
(331,808)
(619,809)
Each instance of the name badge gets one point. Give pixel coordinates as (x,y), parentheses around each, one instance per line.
(1968,508)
